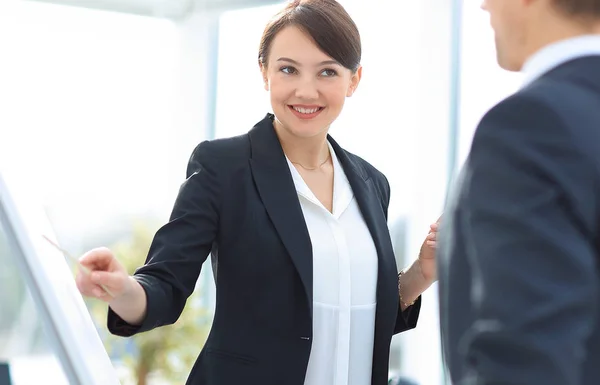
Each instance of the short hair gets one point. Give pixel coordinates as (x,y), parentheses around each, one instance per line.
(326,22)
(586,9)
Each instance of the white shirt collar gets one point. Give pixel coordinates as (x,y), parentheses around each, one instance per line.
(558,53)
(342,191)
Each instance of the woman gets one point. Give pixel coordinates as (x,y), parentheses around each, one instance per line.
(307,286)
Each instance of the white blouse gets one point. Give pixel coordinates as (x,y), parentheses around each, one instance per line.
(344,285)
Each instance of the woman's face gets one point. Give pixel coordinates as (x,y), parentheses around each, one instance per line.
(307,87)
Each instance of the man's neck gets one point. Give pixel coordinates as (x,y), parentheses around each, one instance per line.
(556,29)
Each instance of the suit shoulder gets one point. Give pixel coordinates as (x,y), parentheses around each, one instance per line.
(223,149)
(521,101)
(224,153)
(231,147)
(548,105)
(546,95)
(528,107)
(538,121)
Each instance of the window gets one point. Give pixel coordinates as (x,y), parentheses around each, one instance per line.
(241,98)
(89,98)
(483,82)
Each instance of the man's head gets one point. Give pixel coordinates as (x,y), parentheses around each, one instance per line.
(522,27)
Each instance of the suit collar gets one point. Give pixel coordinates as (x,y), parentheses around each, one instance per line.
(264,143)
(556,54)
(580,72)
(351,166)
(278,194)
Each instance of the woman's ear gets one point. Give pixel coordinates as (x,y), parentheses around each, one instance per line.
(354,81)
(263,72)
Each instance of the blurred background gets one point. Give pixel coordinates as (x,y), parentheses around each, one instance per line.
(102,102)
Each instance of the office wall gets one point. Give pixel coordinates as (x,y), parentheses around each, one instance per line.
(100,110)
(483,82)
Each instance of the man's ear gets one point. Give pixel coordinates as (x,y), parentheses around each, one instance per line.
(263,72)
(354,81)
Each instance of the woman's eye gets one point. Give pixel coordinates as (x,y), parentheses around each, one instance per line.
(288,70)
(328,73)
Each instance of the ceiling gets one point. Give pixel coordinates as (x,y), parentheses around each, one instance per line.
(170,9)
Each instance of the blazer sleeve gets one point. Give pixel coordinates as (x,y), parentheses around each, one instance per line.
(179,248)
(534,290)
(407,319)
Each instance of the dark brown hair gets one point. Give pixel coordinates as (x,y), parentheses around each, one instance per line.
(326,22)
(585,9)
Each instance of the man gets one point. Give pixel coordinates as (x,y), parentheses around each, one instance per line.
(519,247)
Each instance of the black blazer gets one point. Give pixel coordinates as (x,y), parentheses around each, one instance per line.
(240,203)
(519,249)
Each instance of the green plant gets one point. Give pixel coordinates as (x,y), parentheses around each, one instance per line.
(167,352)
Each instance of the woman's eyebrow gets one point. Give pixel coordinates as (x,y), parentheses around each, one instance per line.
(326,62)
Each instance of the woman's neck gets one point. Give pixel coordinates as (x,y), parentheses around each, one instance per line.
(308,152)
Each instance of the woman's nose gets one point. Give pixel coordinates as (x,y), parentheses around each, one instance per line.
(307,89)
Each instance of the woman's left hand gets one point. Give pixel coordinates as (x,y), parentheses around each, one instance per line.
(427,259)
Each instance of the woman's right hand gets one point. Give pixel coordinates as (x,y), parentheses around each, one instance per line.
(105,270)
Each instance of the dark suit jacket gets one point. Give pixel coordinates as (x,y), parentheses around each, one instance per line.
(519,245)
(240,202)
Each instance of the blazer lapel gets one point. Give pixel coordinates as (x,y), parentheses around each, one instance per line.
(372,211)
(276,188)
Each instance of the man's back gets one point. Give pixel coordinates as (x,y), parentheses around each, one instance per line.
(520,246)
